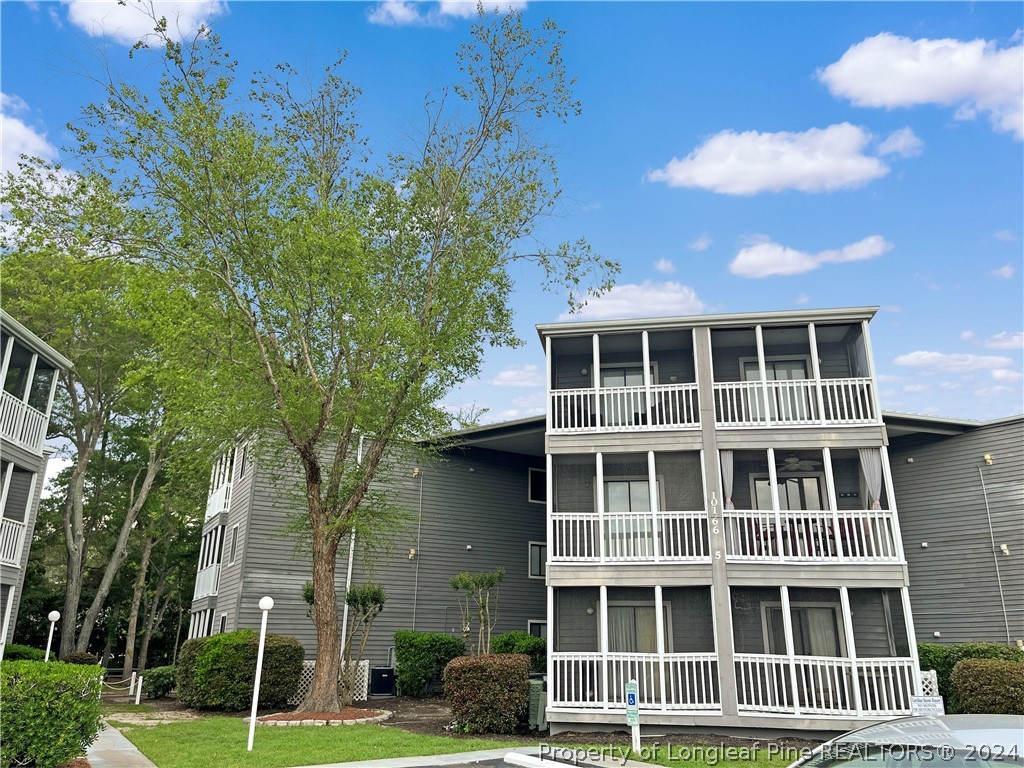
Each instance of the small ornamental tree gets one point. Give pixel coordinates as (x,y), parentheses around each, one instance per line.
(365,602)
(479,596)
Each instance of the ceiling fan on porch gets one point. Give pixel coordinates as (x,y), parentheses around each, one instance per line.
(793,463)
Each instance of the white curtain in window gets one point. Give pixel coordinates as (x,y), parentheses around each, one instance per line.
(821,627)
(727,475)
(621,629)
(871,469)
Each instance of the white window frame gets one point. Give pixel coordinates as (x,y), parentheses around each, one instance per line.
(837,609)
(529,559)
(806,359)
(666,607)
(779,476)
(658,479)
(529,485)
(233,554)
(222,625)
(595,381)
(530,623)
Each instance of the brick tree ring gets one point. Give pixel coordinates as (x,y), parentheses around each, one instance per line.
(347,716)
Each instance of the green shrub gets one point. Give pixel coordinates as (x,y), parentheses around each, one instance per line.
(518,641)
(421,657)
(989,687)
(50,713)
(15,652)
(218,672)
(158,681)
(488,694)
(943,658)
(79,657)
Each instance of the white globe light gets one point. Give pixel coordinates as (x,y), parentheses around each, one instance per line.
(54,616)
(266,603)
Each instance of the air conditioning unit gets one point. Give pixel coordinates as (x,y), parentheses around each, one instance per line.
(538,720)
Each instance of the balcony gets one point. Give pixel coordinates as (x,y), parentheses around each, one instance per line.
(207,581)
(12,539)
(619,409)
(218,501)
(629,537)
(22,424)
(801,402)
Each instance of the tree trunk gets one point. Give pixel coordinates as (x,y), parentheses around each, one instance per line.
(74,540)
(153,619)
(133,614)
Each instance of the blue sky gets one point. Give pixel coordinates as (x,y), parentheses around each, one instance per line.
(733,157)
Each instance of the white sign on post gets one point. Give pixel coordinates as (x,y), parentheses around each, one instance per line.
(927,706)
(633,712)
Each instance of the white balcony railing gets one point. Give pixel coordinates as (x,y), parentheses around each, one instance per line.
(597,681)
(811,536)
(611,409)
(12,539)
(795,403)
(822,685)
(218,501)
(629,537)
(207,581)
(22,424)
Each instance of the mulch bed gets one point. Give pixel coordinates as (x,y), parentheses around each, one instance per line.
(346,713)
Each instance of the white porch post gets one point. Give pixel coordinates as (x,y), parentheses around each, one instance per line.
(833,504)
(595,376)
(649,409)
(894,518)
(764,375)
(28,379)
(549,508)
(851,646)
(549,410)
(6,485)
(652,486)
(812,337)
(603,615)
(599,492)
(659,621)
(773,481)
(551,669)
(908,617)
(875,404)
(53,390)
(787,623)
(8,350)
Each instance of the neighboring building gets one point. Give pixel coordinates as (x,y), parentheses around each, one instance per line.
(961,491)
(29,371)
(722,525)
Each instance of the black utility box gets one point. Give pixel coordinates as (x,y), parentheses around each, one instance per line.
(382,681)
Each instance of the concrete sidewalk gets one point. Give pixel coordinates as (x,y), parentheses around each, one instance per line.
(112,750)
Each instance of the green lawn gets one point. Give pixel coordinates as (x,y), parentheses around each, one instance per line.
(221,741)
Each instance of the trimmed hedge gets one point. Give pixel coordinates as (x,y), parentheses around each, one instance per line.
(159,681)
(488,694)
(79,657)
(420,657)
(518,641)
(988,687)
(50,714)
(15,652)
(943,658)
(218,672)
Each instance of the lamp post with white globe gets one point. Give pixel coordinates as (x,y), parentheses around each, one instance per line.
(54,617)
(266,603)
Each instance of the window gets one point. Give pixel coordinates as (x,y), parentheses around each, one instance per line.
(240,462)
(628,406)
(234,544)
(816,629)
(802,492)
(628,535)
(627,496)
(538,559)
(537,628)
(537,486)
(223,623)
(784,404)
(775,369)
(633,627)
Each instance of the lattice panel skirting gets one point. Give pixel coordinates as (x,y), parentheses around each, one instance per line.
(306,680)
(929,682)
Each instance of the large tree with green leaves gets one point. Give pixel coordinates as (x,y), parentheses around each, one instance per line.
(334,300)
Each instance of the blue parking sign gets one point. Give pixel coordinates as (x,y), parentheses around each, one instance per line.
(631,700)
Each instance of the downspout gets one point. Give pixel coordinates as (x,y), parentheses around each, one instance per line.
(348,575)
(419,526)
(995,557)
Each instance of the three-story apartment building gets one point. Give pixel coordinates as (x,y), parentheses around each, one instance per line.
(29,371)
(721,524)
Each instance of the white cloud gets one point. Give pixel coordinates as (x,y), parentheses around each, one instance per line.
(1005,340)
(1006,374)
(1005,236)
(951,363)
(127,24)
(966,335)
(995,391)
(765,258)
(903,143)
(401,13)
(803,299)
(886,377)
(702,243)
(17,137)
(916,388)
(974,76)
(665,266)
(891,308)
(1005,272)
(817,160)
(648,299)
(523,376)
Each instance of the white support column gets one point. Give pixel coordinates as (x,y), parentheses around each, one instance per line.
(8,473)
(812,337)
(5,366)
(891,497)
(659,621)
(595,376)
(552,647)
(549,410)
(787,623)
(773,481)
(549,507)
(28,379)
(851,646)
(833,502)
(764,375)
(599,493)
(53,391)
(652,486)
(603,617)
(875,403)
(647,379)
(908,617)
